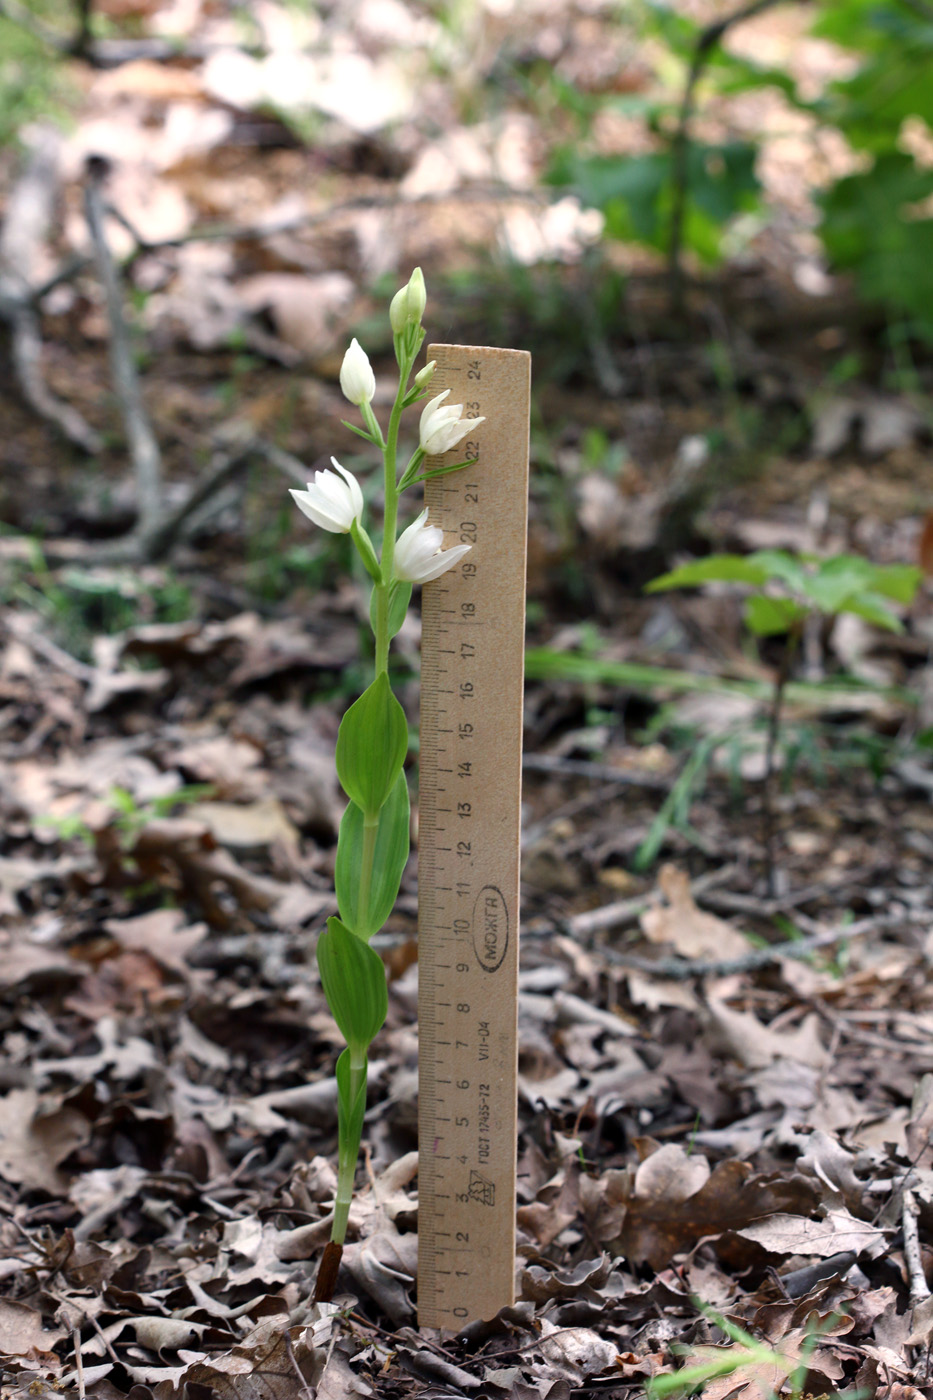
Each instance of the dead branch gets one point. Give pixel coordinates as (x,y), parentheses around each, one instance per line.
(913,1258)
(28,215)
(600,772)
(683,969)
(141,441)
(626,911)
(237,446)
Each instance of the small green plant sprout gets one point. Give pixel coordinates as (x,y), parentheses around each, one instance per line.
(784,591)
(754,1364)
(372,741)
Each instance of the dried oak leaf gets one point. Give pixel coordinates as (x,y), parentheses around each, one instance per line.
(837,1230)
(672,1203)
(584,1281)
(23,1336)
(269,1364)
(692,933)
(36,1136)
(576,1353)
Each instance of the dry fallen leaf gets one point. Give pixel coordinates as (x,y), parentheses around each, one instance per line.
(691,932)
(36,1135)
(837,1231)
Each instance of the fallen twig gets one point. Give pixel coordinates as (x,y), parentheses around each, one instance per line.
(28,213)
(626,911)
(913,1258)
(141,441)
(683,969)
(601,772)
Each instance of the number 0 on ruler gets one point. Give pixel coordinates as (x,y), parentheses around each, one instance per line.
(473,632)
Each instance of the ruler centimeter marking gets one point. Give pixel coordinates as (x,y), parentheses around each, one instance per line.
(472,669)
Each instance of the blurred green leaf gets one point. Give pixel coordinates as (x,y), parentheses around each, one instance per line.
(717,568)
(768,617)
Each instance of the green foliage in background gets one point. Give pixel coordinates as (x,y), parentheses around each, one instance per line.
(32,82)
(786,588)
(875,223)
(79,604)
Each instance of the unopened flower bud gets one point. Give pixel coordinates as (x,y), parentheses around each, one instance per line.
(424,376)
(357,380)
(407,306)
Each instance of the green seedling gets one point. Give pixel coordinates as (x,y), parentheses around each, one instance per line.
(748,1360)
(783,592)
(80,604)
(131,816)
(373,739)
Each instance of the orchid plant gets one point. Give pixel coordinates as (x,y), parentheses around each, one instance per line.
(372,741)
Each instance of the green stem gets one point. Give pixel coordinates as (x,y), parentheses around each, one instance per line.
(390,519)
(348,1152)
(370,832)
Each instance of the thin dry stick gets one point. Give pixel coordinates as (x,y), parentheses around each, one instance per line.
(682,969)
(79,1361)
(141,441)
(626,911)
(774,730)
(227,461)
(913,1258)
(304,1388)
(22,239)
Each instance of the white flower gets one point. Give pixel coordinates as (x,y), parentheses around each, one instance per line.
(407,306)
(356,375)
(443,425)
(331,503)
(418,553)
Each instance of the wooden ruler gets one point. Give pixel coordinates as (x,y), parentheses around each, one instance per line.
(473,633)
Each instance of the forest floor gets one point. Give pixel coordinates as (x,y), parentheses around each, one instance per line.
(726,1070)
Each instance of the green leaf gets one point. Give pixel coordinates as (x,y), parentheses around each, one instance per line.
(352,1106)
(399,598)
(354,982)
(873,609)
(767,617)
(371,746)
(389,857)
(717,568)
(635,193)
(897,581)
(849,583)
(788,568)
(361,432)
(872,226)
